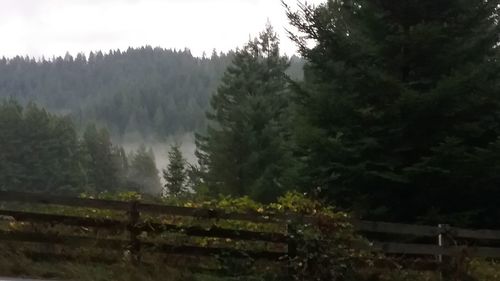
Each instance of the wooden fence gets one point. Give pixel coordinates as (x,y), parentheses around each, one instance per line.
(133,219)
(433,242)
(449,241)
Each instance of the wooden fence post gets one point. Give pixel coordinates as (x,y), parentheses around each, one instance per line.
(440,241)
(135,243)
(443,260)
(292,251)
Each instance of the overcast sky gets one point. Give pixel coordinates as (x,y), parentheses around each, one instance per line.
(54,27)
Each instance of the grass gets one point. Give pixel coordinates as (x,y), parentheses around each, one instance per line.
(15,264)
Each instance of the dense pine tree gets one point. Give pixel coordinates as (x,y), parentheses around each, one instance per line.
(175,175)
(120,161)
(103,168)
(39,152)
(143,174)
(399,112)
(243,150)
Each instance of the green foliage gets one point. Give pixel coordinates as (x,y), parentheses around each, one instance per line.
(143,176)
(398,112)
(102,165)
(175,175)
(39,152)
(42,153)
(484,270)
(324,250)
(244,149)
(137,93)
(14,262)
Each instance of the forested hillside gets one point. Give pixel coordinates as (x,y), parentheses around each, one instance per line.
(137,94)
(42,152)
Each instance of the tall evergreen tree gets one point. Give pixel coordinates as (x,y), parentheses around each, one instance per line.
(242,151)
(400,104)
(120,161)
(175,175)
(143,175)
(39,152)
(102,167)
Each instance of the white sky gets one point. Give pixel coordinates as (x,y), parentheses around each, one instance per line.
(53,27)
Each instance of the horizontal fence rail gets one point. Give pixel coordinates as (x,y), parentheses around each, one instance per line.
(396,228)
(447,233)
(9,196)
(425,231)
(212,231)
(426,249)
